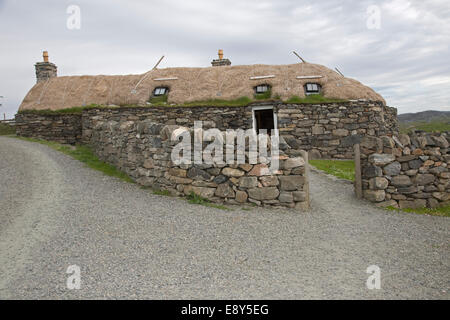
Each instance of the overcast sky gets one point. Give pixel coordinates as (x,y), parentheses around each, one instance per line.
(404,55)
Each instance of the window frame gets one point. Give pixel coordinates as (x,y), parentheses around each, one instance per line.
(166,91)
(268,88)
(275,118)
(310,92)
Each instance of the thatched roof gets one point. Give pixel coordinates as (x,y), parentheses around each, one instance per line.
(192,84)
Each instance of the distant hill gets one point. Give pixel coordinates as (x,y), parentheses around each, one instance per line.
(424,116)
(426,120)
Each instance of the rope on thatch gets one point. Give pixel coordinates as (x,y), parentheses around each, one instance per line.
(87,92)
(64,91)
(43,90)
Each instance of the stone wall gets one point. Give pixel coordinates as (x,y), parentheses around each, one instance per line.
(142,149)
(408,171)
(330,130)
(62,128)
(327,130)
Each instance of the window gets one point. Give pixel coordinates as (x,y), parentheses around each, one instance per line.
(160,91)
(262,88)
(264,118)
(312,88)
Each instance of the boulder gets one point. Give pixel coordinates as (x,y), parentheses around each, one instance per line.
(248,182)
(440,141)
(381,159)
(196,173)
(299,195)
(412,204)
(201,191)
(415,164)
(378,183)
(401,181)
(241,196)
(224,191)
(269,181)
(387,203)
(259,170)
(220,179)
(442,196)
(371,171)
(286,197)
(230,172)
(374,195)
(423,179)
(265,193)
(293,163)
(392,169)
(291,183)
(340,132)
(178,172)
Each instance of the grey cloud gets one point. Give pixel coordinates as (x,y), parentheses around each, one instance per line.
(405,60)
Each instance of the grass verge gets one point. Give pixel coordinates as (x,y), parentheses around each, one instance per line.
(344,169)
(440,211)
(312,98)
(435,126)
(6,129)
(84,154)
(196,199)
(162,193)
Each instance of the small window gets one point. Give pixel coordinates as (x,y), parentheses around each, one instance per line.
(262,88)
(160,91)
(312,88)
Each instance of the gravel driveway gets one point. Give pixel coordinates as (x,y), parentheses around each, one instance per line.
(129,243)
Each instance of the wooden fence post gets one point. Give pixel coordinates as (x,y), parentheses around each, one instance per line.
(358,181)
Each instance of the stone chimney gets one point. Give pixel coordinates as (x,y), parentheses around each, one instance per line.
(45,70)
(221,61)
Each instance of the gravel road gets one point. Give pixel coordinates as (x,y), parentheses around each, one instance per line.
(129,243)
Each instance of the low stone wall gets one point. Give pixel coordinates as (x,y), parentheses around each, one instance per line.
(408,171)
(143,150)
(62,128)
(330,130)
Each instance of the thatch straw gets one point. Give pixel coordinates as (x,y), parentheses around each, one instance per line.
(193,84)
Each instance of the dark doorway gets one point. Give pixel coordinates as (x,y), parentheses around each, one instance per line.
(264,120)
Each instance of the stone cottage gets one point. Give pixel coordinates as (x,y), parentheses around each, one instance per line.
(327,129)
(128,120)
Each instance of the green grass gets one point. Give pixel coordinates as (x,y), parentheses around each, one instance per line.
(73,110)
(196,199)
(435,126)
(158,99)
(440,211)
(344,169)
(240,102)
(313,98)
(84,154)
(6,129)
(263,96)
(162,193)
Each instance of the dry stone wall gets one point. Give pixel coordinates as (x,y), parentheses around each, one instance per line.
(142,149)
(408,171)
(330,130)
(62,128)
